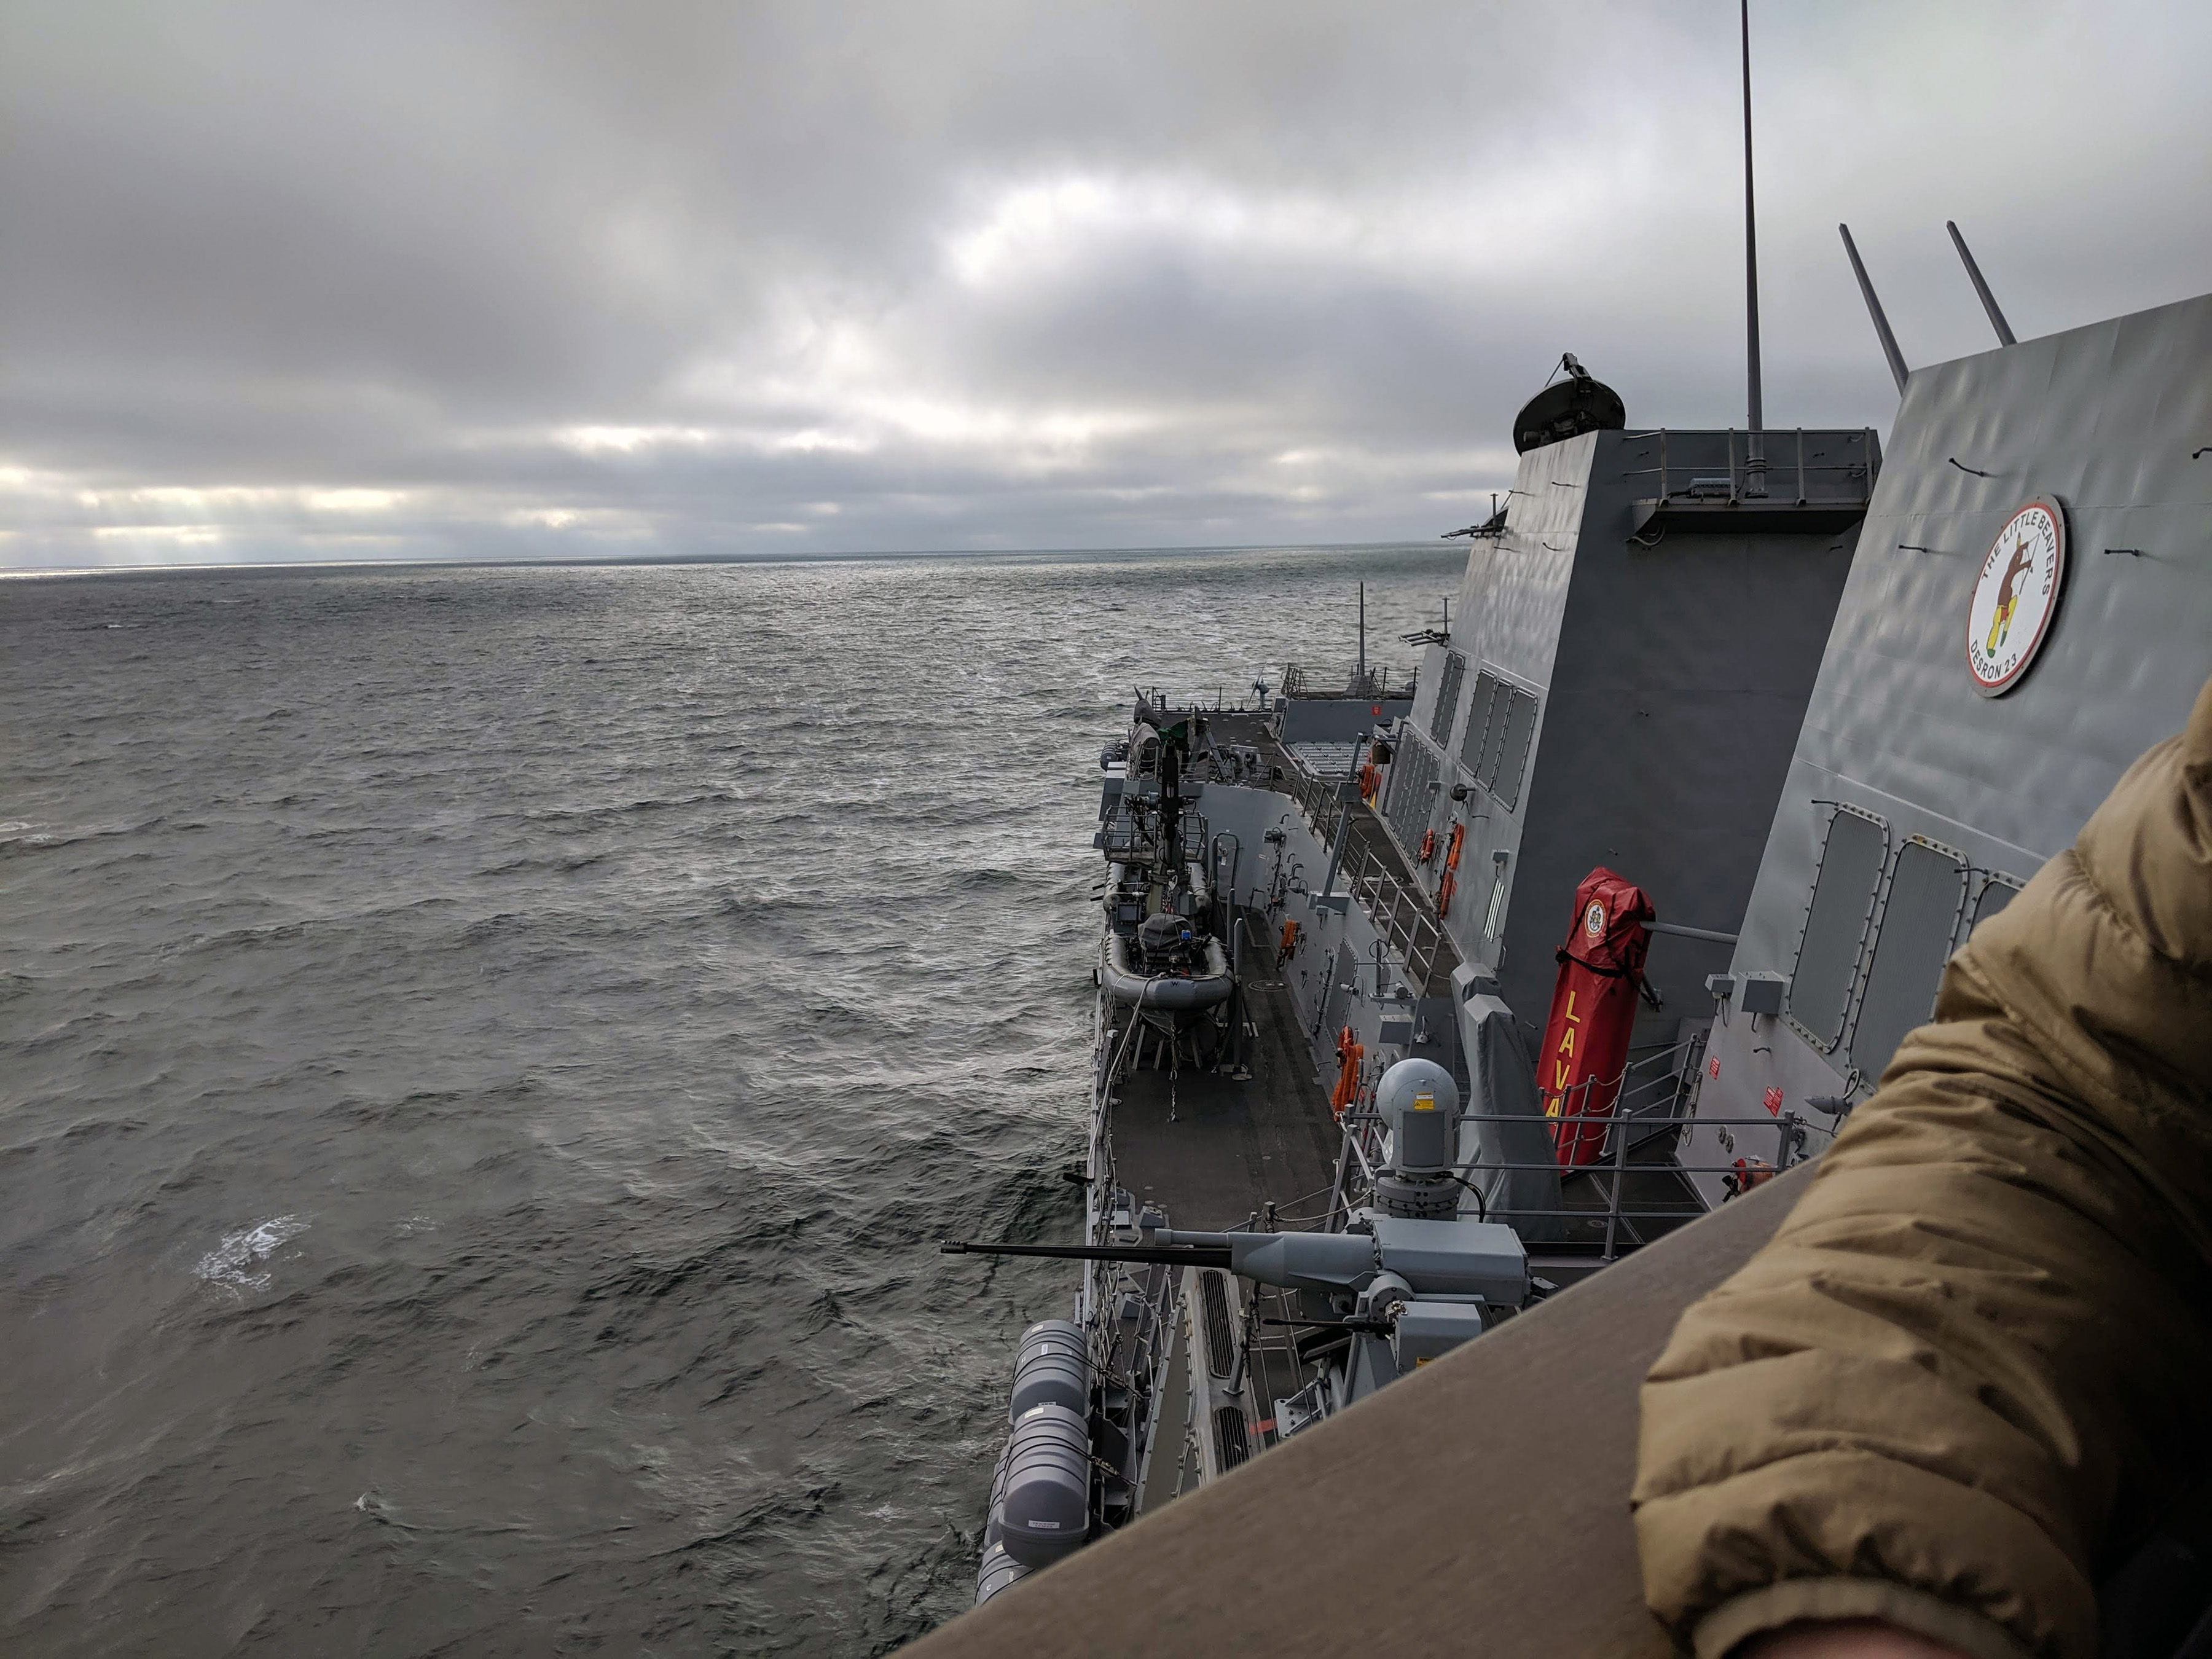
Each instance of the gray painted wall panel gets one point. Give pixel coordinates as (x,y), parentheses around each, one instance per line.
(1680,683)
(1672,682)
(2104,419)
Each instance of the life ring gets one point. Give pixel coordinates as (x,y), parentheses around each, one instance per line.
(1428,845)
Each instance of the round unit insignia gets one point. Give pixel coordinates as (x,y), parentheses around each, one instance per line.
(1594,919)
(2016,597)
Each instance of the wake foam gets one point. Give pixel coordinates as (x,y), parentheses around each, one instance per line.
(233,1263)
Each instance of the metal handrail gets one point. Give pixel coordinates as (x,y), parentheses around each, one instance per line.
(1863,467)
(1666,1102)
(1305,680)
(1317,799)
(1400,914)
(1152,702)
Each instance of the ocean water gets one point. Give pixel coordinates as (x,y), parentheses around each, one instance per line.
(486,1055)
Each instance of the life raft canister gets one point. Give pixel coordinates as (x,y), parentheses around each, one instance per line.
(1450,884)
(1351,1055)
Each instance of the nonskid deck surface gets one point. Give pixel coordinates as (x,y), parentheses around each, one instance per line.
(1234,1145)
(1655,1196)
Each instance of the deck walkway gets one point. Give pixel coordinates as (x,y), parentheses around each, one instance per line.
(1234,1144)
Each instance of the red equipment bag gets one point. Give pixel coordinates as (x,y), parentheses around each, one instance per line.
(1578,1070)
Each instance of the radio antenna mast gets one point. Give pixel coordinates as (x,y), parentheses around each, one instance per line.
(1755,463)
(1897,368)
(1981,288)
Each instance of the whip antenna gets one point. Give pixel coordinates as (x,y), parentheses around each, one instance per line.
(1756,457)
(1897,368)
(1974,275)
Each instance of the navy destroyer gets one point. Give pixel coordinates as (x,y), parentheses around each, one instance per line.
(1418,1004)
(1747,756)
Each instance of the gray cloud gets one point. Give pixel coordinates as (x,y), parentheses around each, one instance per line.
(283,282)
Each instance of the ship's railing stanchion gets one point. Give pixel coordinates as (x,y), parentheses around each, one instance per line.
(1619,1133)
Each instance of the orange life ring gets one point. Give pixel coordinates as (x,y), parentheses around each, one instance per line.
(1428,845)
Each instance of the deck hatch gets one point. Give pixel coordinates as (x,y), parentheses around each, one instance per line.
(1998,890)
(1836,918)
(1520,726)
(1447,708)
(1480,714)
(1411,802)
(1912,940)
(1501,720)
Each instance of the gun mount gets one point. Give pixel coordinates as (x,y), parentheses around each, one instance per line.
(1379,1259)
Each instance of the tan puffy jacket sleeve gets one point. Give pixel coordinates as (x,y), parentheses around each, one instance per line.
(1976,1355)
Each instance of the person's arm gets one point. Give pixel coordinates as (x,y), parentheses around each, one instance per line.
(1971,1358)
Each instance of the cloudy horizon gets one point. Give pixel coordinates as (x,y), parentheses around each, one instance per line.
(665,281)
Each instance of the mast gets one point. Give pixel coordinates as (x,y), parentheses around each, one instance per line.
(1897,369)
(1981,288)
(1755,463)
(1363,639)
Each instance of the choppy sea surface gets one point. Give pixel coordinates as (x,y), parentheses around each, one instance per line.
(486,1055)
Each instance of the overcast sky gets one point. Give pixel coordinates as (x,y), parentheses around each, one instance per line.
(319,281)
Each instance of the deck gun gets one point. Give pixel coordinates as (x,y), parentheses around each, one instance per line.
(1406,1284)
(1419,1288)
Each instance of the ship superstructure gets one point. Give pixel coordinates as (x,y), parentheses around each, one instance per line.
(1819,717)
(2030,609)
(1420,1003)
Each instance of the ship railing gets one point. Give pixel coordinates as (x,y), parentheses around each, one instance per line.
(1307,680)
(1402,915)
(1654,1108)
(1162,707)
(1319,798)
(1627,1225)
(1124,843)
(1777,456)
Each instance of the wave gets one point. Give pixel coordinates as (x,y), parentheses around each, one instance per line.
(31,835)
(239,1262)
(627,1032)
(554,865)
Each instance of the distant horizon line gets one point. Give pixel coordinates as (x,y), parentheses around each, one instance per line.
(603,561)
